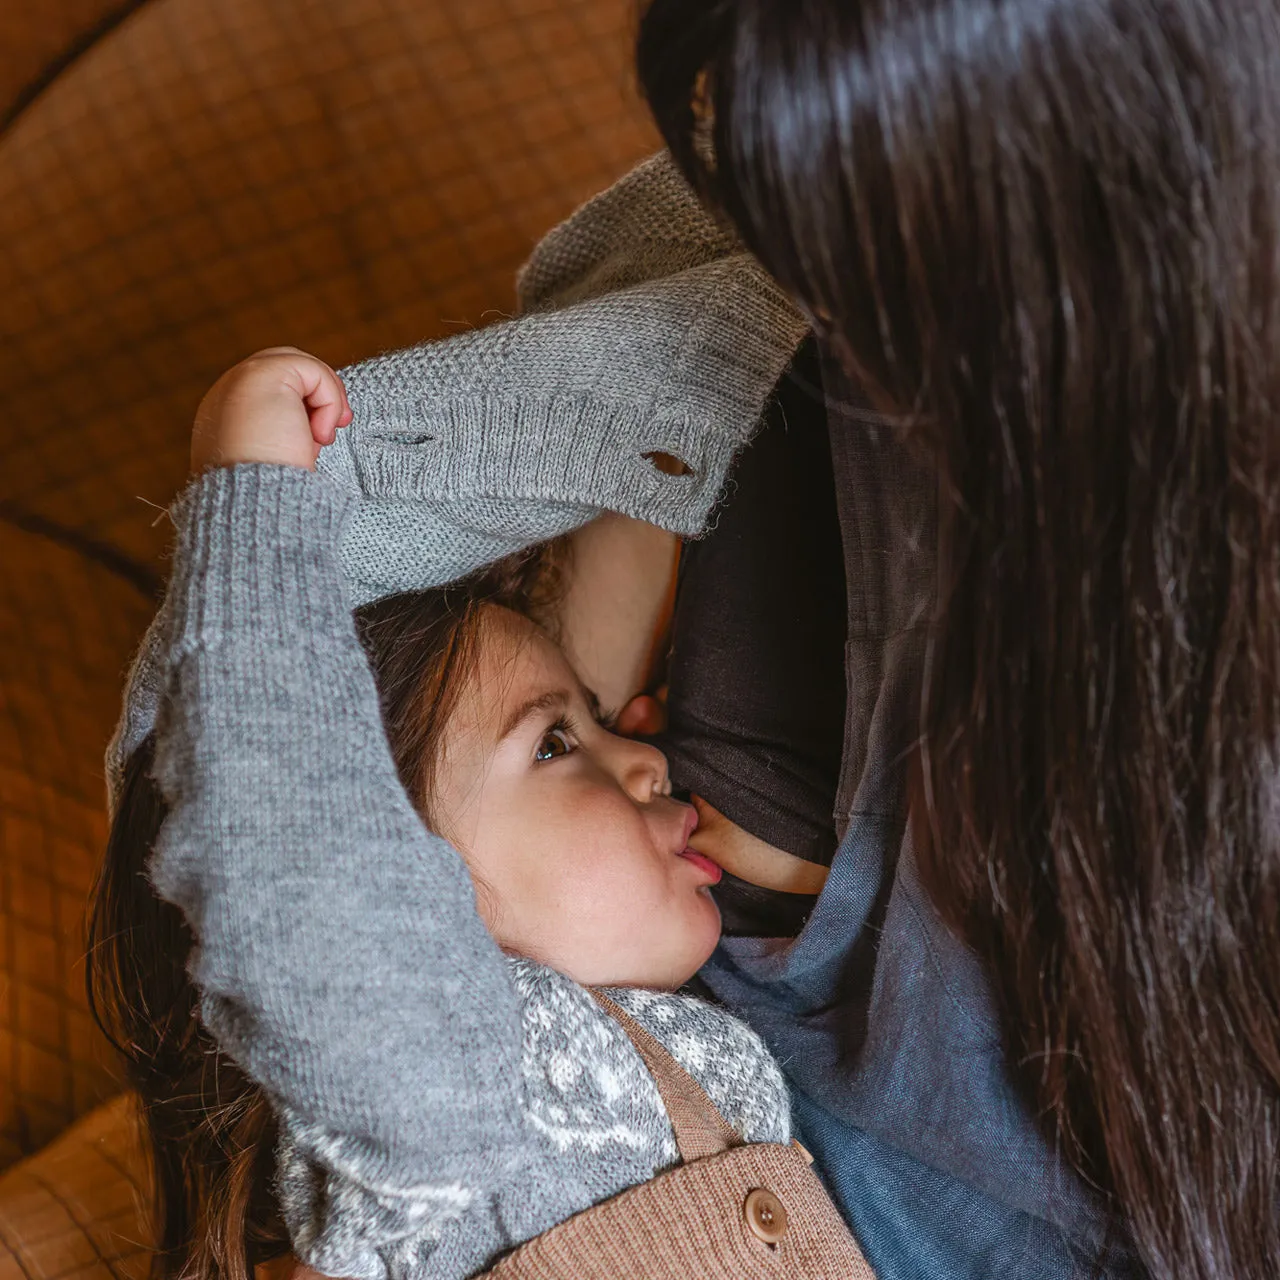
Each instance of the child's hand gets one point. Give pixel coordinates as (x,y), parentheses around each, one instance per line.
(280,405)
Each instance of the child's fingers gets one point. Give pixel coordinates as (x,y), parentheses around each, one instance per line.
(324,397)
(279,405)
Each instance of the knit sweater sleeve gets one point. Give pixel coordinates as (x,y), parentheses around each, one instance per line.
(339,956)
(644,329)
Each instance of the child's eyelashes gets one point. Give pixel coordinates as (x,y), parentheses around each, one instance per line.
(559,740)
(605,718)
(562,738)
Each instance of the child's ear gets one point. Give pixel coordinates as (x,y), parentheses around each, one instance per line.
(643,716)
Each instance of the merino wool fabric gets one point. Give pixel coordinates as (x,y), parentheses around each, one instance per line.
(439,1103)
(644,329)
(729,1211)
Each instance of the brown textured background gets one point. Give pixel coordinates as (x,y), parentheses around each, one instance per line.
(181,182)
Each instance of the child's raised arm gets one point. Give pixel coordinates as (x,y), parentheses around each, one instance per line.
(339,955)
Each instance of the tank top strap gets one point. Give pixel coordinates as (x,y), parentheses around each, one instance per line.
(700,1129)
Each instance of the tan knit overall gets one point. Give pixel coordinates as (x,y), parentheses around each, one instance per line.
(729,1211)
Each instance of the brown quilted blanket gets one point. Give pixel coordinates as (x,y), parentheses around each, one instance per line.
(181,183)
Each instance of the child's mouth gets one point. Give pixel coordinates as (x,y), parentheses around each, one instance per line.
(701,861)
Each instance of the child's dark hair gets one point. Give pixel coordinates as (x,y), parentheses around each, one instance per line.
(211,1130)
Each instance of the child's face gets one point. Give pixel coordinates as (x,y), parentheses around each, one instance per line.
(576,846)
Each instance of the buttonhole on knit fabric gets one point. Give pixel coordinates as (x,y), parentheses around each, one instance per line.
(667,463)
(407,437)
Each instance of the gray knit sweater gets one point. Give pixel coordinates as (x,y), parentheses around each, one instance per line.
(644,327)
(439,1102)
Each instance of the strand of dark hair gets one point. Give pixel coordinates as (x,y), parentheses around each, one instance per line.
(1044,237)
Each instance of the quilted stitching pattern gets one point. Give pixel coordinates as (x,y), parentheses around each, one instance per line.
(76,1211)
(347,175)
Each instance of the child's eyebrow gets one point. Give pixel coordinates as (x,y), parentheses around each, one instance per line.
(551,700)
(546,701)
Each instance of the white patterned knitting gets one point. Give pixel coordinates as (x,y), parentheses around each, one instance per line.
(588,1096)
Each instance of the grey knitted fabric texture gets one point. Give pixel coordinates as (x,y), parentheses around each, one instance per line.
(439,1103)
(644,328)
(589,1103)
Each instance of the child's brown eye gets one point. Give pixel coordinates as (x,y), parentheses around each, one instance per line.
(554,743)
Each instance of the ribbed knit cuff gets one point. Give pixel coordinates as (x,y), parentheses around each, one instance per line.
(257,553)
(569,406)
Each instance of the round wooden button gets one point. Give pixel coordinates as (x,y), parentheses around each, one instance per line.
(766,1215)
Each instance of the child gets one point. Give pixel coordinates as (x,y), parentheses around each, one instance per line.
(423,1130)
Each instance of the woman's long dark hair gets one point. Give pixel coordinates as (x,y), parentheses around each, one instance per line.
(1045,234)
(211,1130)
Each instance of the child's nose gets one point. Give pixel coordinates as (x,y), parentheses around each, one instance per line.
(643,770)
